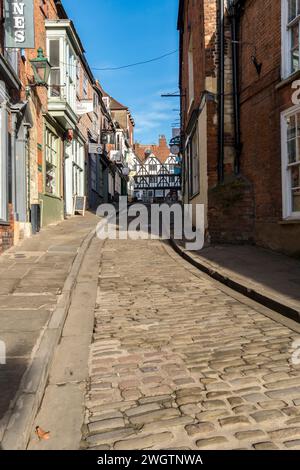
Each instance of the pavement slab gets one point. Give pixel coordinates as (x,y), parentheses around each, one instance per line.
(32,278)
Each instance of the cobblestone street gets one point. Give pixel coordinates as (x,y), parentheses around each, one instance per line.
(179,362)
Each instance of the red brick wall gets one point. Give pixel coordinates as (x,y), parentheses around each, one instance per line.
(261,105)
(230,205)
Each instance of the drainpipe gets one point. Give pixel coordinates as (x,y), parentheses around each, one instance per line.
(235,24)
(221,90)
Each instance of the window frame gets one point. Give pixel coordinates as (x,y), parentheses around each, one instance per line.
(286,27)
(67,68)
(56,165)
(287,202)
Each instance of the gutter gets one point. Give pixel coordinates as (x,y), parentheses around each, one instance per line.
(234,15)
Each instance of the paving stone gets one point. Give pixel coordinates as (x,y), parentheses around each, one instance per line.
(197,391)
(187,400)
(146,442)
(292,444)
(212,415)
(213,404)
(291,411)
(212,443)
(254,397)
(139,410)
(266,415)
(106,425)
(167,424)
(285,433)
(250,435)
(272,404)
(190,410)
(234,421)
(200,429)
(109,437)
(155,399)
(105,415)
(155,416)
(235,401)
(265,446)
(285,393)
(244,409)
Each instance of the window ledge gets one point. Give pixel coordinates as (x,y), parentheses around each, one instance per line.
(291,221)
(288,80)
(4,223)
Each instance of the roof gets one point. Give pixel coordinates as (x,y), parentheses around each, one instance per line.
(161,150)
(116,105)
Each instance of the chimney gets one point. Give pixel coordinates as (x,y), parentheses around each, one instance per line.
(162,141)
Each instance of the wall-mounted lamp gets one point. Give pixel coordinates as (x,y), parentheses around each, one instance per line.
(41,69)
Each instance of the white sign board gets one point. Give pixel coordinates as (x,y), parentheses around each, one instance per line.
(84,107)
(96,148)
(19,24)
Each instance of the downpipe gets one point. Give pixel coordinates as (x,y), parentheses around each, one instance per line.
(221,91)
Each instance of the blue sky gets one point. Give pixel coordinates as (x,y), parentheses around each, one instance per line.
(121,32)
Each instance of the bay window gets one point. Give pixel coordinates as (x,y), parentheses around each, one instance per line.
(291,163)
(62,82)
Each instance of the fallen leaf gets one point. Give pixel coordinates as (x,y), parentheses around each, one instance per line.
(41,434)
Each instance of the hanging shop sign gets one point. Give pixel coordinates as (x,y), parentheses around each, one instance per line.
(19,24)
(84,107)
(95,149)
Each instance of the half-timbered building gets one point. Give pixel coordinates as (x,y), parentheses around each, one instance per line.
(157,180)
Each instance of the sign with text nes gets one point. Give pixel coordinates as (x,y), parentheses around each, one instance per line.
(19,24)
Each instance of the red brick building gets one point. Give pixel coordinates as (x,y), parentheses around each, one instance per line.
(239,81)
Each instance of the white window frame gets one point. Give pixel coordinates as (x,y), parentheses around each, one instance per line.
(286,63)
(77,168)
(52,157)
(68,68)
(286,179)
